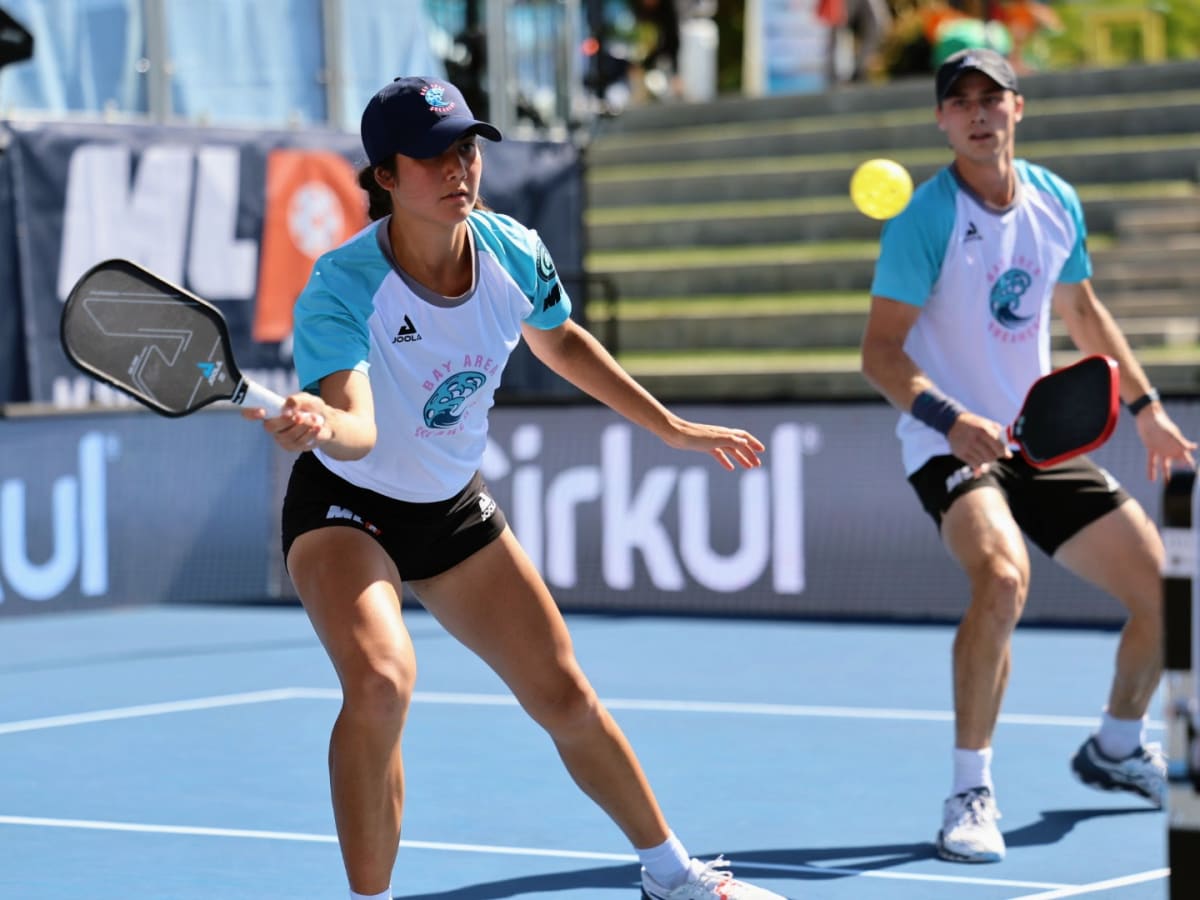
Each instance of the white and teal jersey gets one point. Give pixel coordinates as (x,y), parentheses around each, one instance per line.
(434,362)
(983,279)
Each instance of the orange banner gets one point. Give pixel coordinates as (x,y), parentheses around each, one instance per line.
(313,203)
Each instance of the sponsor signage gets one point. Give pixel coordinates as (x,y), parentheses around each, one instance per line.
(130,508)
(122,508)
(237,217)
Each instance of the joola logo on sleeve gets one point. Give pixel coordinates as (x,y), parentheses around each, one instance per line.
(408,332)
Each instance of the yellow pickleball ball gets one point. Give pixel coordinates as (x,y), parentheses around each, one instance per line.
(881,188)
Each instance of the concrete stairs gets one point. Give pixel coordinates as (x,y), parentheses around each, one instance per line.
(727,263)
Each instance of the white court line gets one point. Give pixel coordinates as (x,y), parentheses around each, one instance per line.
(141,828)
(1097,886)
(468,699)
(149,709)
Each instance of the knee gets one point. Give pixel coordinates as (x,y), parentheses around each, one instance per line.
(998,591)
(379,692)
(1145,604)
(562,704)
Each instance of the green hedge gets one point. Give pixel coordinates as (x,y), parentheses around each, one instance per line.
(1067,50)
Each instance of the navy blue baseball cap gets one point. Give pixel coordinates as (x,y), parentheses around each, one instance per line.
(419,117)
(974,59)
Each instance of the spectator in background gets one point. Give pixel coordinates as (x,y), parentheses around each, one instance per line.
(1026,21)
(865,22)
(660,64)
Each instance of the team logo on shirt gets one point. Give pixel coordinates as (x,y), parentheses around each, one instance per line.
(972,233)
(445,407)
(1005,300)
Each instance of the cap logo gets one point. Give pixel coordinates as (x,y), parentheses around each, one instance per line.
(971,60)
(435,96)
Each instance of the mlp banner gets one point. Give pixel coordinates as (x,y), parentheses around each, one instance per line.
(237,217)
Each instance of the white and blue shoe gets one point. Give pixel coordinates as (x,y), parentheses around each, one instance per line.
(1143,772)
(969,833)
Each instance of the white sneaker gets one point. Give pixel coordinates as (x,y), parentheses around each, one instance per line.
(969,832)
(708,881)
(1143,772)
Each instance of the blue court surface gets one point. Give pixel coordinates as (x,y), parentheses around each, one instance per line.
(179,752)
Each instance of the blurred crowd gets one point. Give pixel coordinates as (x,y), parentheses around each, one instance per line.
(634,45)
(922,33)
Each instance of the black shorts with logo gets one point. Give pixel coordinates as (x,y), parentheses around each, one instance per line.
(424,539)
(1051,505)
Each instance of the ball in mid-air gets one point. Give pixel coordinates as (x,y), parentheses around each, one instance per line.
(881,188)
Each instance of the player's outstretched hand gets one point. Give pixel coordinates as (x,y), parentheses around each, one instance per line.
(299,426)
(1165,443)
(725,445)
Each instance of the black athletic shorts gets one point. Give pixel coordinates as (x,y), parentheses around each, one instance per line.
(1051,505)
(424,539)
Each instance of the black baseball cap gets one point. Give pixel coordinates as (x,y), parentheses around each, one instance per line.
(974,59)
(419,117)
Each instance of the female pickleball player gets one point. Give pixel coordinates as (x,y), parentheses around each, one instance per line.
(400,339)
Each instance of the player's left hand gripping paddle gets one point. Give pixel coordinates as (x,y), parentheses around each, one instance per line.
(155,341)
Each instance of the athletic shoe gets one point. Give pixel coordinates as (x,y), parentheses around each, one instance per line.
(707,881)
(1143,772)
(969,832)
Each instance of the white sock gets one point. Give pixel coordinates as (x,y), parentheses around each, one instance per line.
(668,863)
(386,895)
(972,769)
(1118,738)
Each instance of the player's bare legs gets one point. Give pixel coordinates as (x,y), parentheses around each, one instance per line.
(1122,554)
(980,533)
(350,589)
(496,603)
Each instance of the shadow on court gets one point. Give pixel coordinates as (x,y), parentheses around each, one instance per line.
(1055,824)
(615,877)
(810,863)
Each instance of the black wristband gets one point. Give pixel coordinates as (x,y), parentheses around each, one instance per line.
(936,410)
(1151,396)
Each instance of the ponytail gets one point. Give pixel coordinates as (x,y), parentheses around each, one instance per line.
(379,201)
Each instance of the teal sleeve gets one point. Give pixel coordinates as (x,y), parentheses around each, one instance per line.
(330,332)
(526,259)
(912,246)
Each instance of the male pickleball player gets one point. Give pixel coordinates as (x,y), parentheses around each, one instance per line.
(958,330)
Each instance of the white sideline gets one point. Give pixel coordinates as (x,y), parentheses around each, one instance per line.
(1050,889)
(473,699)
(1097,886)
(189,830)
